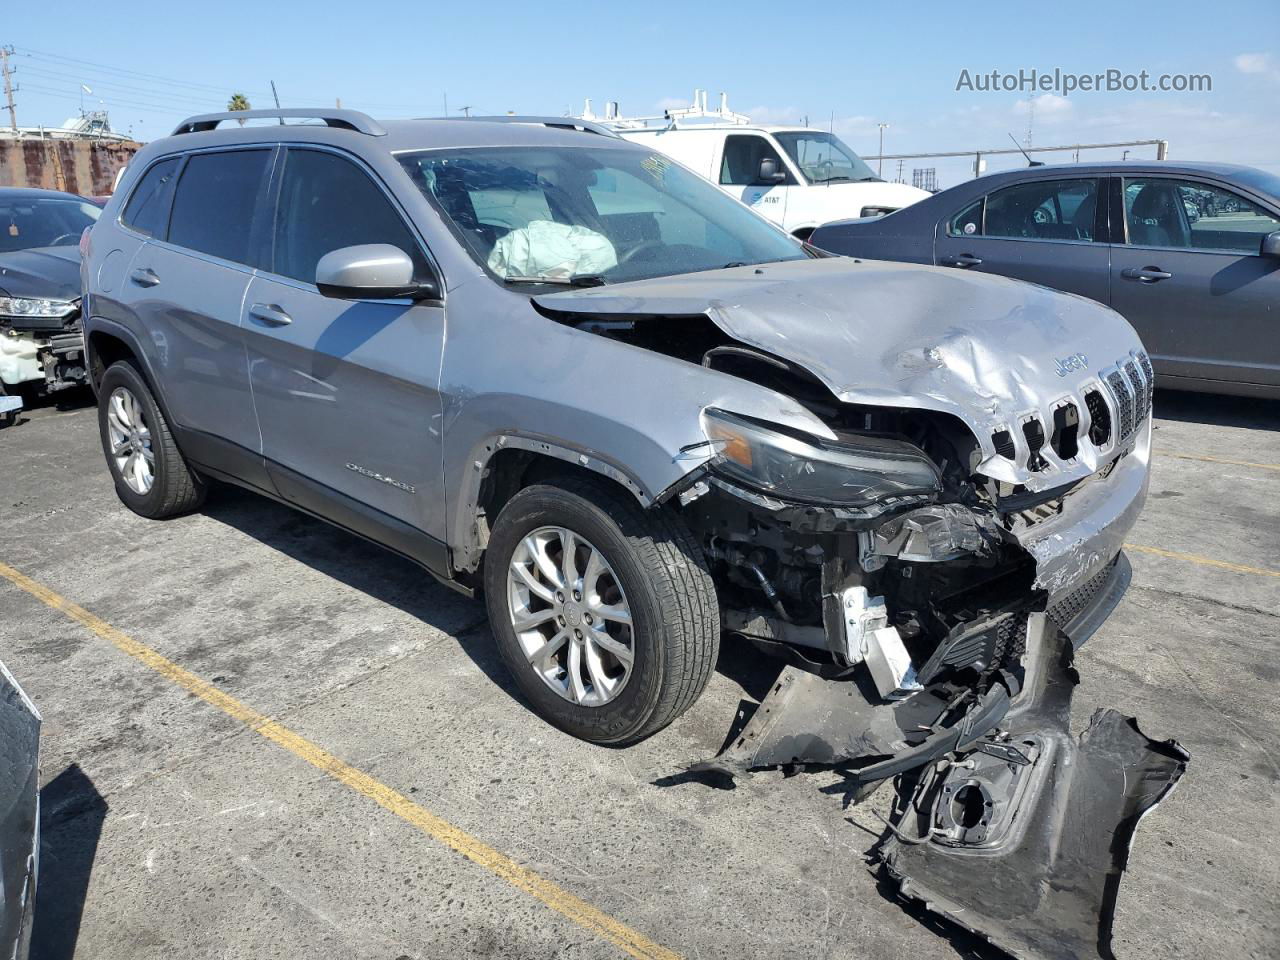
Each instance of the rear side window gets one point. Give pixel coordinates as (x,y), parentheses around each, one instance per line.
(326,203)
(148,208)
(214,204)
(968,221)
(1043,210)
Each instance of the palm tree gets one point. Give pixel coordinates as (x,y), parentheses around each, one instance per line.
(239,101)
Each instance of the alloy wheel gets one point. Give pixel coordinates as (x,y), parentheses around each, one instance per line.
(570,616)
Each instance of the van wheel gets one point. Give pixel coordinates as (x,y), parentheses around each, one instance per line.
(604,612)
(150,474)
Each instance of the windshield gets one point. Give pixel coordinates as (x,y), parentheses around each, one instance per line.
(823,158)
(591,215)
(43,222)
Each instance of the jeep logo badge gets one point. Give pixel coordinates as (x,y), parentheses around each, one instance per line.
(1074,361)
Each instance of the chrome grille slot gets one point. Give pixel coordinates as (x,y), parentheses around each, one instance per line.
(1139,392)
(1099,418)
(1034,433)
(1121,393)
(1149,373)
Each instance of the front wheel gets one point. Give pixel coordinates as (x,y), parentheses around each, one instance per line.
(604,612)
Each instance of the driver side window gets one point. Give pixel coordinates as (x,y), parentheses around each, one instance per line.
(741,163)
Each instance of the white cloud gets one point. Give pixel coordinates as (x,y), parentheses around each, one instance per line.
(1257,64)
(1049,107)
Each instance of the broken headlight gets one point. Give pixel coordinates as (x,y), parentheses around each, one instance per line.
(24,307)
(796,466)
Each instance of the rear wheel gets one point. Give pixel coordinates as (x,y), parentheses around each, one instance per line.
(150,474)
(604,612)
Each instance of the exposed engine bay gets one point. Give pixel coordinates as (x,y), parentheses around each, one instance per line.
(927,610)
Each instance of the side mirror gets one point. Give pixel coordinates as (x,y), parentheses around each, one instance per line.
(1271,245)
(371,271)
(771,172)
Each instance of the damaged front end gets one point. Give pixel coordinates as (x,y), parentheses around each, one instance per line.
(926,558)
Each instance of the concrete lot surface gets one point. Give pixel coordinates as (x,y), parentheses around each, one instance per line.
(173,830)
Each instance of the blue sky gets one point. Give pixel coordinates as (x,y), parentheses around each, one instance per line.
(151,64)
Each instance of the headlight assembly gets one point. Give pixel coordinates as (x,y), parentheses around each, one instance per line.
(24,307)
(794,466)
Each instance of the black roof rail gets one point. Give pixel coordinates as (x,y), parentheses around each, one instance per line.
(560,123)
(342,119)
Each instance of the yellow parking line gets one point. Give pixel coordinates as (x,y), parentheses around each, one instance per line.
(557,898)
(1205,561)
(1233,463)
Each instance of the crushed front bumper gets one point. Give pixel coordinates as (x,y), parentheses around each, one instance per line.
(1072,548)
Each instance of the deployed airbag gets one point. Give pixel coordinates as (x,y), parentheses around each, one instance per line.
(544,248)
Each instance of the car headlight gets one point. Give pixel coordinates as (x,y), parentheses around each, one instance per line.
(795,466)
(31,307)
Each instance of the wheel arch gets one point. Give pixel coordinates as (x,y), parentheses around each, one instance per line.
(511,462)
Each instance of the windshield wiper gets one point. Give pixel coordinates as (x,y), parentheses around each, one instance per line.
(871,179)
(577,280)
(838,176)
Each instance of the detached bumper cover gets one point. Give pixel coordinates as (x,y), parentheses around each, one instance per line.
(1036,867)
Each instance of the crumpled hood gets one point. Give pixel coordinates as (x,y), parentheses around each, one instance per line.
(987,349)
(51,273)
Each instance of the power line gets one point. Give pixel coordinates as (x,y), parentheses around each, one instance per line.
(220,91)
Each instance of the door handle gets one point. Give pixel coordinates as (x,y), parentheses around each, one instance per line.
(964,260)
(270,314)
(144,277)
(1146,274)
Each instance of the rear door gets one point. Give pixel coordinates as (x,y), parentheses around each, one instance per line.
(186,285)
(346,390)
(1190,279)
(1046,231)
(740,175)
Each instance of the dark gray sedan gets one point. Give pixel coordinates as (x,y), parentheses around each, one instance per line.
(1189,253)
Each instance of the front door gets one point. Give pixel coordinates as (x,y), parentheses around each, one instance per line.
(1044,231)
(1191,280)
(740,176)
(347,391)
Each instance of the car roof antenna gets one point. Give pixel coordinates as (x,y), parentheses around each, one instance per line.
(1030,162)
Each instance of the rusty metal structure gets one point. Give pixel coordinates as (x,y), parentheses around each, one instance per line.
(86,167)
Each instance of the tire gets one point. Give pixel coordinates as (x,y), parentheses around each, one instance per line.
(174,487)
(656,569)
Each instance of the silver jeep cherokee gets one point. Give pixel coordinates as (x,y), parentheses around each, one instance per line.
(561,369)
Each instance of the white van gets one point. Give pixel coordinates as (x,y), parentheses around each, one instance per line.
(798,177)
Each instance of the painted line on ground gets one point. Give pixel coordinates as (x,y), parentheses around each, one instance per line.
(1222,460)
(477,851)
(1204,561)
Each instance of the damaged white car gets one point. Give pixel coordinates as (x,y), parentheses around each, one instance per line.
(41,344)
(561,368)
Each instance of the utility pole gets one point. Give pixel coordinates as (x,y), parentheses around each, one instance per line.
(880,162)
(5,54)
(466,111)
